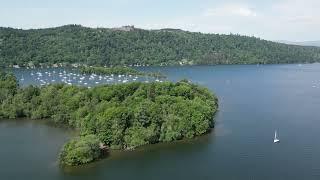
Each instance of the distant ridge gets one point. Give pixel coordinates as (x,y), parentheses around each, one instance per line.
(129,45)
(170,29)
(303,43)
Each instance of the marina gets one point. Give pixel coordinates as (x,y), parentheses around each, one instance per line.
(72,76)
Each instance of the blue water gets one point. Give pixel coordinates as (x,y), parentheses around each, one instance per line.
(254,101)
(72,76)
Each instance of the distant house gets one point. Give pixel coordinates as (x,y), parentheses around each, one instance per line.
(31,64)
(124,28)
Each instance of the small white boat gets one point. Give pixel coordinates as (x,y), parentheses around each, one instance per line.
(275,140)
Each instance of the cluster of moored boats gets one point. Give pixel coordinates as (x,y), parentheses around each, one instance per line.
(77,78)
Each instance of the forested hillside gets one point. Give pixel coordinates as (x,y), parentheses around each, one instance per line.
(129,46)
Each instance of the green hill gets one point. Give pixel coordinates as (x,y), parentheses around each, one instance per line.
(129,45)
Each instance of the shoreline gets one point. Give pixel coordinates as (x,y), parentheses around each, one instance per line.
(144,66)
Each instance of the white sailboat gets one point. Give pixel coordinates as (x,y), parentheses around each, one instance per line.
(275,137)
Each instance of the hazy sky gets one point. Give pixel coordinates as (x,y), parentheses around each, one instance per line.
(295,20)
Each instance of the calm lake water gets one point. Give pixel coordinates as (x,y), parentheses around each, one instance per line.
(254,102)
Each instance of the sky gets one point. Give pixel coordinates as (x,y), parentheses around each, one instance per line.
(292,20)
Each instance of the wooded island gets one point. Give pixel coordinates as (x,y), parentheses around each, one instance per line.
(119,116)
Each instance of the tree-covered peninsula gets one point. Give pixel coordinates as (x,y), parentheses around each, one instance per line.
(132,46)
(121,116)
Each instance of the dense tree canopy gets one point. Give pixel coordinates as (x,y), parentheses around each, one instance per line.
(117,70)
(102,46)
(81,150)
(121,116)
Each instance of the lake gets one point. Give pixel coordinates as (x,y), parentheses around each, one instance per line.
(254,101)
